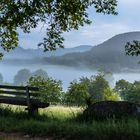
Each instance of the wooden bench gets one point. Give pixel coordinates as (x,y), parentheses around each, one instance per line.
(24,96)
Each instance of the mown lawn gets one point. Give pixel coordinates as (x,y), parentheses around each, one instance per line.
(63,122)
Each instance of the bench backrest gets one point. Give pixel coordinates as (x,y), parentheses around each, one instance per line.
(20,91)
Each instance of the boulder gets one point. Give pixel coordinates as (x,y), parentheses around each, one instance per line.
(111,109)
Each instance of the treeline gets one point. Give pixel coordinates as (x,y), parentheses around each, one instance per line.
(23,75)
(113,61)
(82,92)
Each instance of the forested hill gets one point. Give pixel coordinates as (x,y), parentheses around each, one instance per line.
(21,54)
(110,55)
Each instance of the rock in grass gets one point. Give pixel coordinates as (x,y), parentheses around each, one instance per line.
(111,109)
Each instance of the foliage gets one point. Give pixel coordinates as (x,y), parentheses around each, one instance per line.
(133,48)
(129,91)
(1,78)
(58,16)
(111,95)
(50,89)
(61,124)
(97,86)
(122,87)
(22,77)
(77,94)
(90,90)
(134,92)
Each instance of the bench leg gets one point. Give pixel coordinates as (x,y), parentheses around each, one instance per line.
(32,110)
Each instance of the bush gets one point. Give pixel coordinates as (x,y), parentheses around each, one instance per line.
(50,89)
(111,109)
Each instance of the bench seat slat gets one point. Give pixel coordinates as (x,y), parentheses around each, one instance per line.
(22,101)
(19,87)
(13,93)
(18,93)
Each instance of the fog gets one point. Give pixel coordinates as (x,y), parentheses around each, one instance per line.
(65,74)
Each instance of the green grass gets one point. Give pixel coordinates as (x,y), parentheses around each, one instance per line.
(62,122)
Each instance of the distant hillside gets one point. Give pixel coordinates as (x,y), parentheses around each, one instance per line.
(110,55)
(21,53)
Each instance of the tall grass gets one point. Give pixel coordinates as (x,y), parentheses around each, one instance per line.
(61,122)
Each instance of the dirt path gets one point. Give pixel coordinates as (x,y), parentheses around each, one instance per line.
(19,136)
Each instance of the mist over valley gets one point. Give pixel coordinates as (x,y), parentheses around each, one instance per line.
(72,63)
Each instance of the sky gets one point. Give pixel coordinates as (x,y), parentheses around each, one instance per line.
(102,28)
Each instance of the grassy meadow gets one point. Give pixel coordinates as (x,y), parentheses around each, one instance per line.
(64,123)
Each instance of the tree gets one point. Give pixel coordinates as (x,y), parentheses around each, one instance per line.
(90,90)
(40,73)
(134,92)
(95,85)
(1,78)
(22,77)
(58,15)
(128,91)
(77,94)
(111,95)
(123,87)
(50,89)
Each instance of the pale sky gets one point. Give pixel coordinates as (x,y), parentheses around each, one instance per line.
(102,28)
